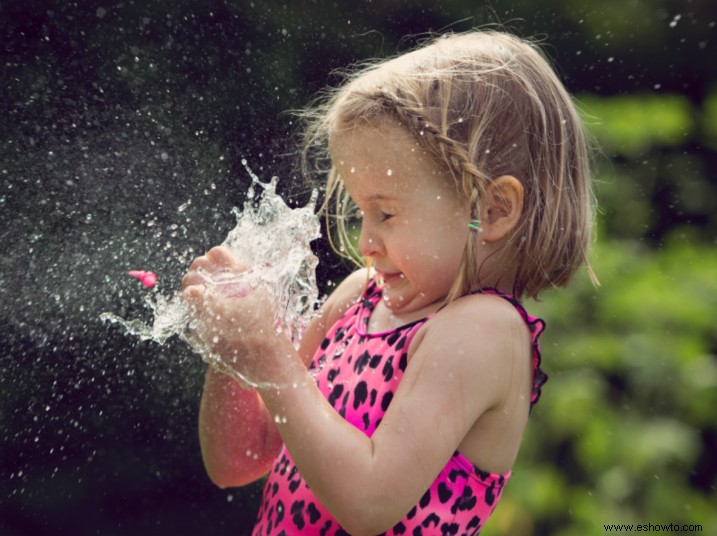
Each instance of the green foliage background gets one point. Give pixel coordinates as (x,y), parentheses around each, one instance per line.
(117,113)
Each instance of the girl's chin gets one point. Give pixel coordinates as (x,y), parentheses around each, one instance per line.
(393,300)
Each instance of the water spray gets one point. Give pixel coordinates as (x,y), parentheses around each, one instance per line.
(274,240)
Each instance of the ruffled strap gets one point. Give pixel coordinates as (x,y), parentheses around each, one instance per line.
(536,326)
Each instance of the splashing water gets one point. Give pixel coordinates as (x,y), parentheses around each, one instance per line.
(275,241)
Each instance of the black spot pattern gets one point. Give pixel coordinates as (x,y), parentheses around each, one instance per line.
(388,369)
(336,393)
(432,520)
(361,362)
(297,514)
(448,529)
(360,394)
(386,400)
(444,492)
(313,512)
(490,494)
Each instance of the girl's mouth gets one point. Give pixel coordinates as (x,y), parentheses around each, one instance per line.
(390,278)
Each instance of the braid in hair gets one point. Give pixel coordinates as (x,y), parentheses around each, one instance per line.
(469,177)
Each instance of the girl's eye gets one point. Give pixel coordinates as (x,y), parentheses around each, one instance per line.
(385,216)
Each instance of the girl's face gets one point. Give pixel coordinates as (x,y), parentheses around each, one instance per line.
(415,223)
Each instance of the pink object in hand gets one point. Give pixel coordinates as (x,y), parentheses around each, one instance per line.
(148,279)
(236,290)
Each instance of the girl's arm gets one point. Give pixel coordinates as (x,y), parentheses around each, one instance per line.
(461,369)
(238,436)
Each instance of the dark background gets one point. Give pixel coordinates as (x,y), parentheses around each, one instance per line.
(123,125)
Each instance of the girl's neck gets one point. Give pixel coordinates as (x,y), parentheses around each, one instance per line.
(497,276)
(383,319)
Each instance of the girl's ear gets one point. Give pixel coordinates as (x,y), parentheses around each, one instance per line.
(501,207)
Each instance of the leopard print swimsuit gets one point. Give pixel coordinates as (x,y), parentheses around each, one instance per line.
(358,373)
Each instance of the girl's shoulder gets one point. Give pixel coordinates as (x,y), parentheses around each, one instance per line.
(487,331)
(489,312)
(478,322)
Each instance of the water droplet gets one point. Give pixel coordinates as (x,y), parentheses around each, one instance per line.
(675,20)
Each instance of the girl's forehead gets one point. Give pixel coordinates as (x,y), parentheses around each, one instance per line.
(376,147)
(385,157)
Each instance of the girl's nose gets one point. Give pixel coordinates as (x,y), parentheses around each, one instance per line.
(369,245)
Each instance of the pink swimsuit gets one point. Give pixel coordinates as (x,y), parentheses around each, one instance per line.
(359,373)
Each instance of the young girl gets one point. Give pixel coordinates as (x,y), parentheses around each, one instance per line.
(403,410)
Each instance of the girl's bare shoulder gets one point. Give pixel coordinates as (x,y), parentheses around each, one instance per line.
(485,326)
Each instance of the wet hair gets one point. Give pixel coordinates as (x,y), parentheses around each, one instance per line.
(484,104)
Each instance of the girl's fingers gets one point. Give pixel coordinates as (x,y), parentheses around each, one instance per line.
(218,260)
(192,277)
(222,257)
(192,294)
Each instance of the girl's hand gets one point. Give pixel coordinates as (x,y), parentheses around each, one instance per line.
(233,322)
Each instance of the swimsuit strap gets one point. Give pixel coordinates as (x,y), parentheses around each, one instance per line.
(536,326)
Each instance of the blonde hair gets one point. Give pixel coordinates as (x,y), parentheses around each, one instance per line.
(485,104)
